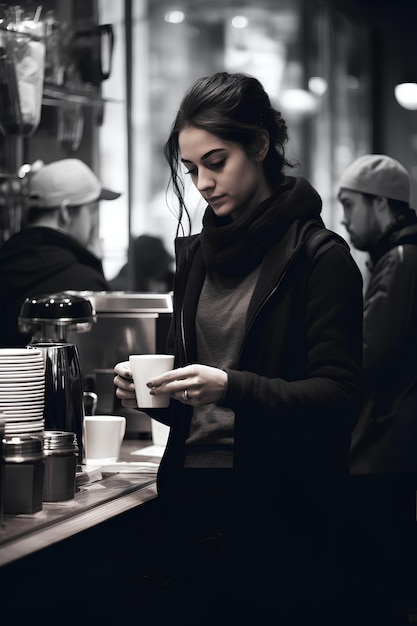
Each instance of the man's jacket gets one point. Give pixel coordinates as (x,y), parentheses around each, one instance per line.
(385,439)
(37,261)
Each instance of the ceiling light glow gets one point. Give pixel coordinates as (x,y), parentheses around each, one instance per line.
(298,101)
(240,21)
(174,17)
(406,95)
(317,85)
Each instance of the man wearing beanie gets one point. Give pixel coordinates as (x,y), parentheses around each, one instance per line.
(57,249)
(375,194)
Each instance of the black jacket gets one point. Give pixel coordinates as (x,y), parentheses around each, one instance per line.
(296,390)
(37,261)
(296,395)
(385,439)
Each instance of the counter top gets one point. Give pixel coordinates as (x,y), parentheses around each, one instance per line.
(94,502)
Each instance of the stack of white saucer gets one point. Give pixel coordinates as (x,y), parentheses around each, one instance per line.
(22,390)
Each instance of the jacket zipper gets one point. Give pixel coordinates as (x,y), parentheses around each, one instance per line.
(264,302)
(183,335)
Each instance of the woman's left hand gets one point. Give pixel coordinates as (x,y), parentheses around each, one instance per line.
(194,384)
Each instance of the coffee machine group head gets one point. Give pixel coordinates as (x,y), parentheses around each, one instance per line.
(49,318)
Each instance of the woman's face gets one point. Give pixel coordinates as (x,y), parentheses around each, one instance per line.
(222,172)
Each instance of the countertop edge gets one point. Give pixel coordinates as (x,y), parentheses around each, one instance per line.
(42,538)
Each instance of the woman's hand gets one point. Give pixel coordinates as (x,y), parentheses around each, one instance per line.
(194,384)
(124,383)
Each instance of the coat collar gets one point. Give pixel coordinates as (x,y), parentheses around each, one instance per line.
(403,231)
(192,270)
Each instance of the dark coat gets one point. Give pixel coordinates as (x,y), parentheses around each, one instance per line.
(385,439)
(297,386)
(40,260)
(296,394)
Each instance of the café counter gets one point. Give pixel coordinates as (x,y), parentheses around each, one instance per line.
(95,557)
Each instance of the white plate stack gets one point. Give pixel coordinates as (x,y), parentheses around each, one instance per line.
(22,390)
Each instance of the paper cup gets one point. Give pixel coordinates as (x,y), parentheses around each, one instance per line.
(103,436)
(144,367)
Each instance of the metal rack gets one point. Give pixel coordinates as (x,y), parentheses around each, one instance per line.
(66,49)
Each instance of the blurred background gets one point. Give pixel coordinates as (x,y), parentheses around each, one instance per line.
(115,72)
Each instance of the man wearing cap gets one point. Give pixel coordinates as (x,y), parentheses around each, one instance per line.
(375,194)
(58,248)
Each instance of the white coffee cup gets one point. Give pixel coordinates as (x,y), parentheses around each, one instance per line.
(103,436)
(160,433)
(144,367)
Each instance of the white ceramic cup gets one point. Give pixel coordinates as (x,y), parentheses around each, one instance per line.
(160,433)
(103,436)
(144,367)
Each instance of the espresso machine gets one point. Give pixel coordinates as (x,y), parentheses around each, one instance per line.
(49,319)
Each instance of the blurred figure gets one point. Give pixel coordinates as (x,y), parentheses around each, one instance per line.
(148,268)
(375,194)
(59,247)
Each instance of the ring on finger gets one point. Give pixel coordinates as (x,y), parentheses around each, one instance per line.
(185,394)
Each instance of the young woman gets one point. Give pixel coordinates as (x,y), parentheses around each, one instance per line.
(267,337)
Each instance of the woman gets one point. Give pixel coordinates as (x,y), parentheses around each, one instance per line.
(267,339)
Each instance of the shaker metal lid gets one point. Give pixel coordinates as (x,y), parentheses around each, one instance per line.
(22,448)
(61,307)
(59,440)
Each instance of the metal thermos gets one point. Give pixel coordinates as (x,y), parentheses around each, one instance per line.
(50,318)
(64,408)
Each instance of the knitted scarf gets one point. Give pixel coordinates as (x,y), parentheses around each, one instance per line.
(235,247)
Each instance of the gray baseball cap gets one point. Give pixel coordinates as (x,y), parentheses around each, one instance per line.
(68,181)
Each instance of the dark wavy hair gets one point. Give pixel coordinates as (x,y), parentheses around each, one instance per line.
(235,108)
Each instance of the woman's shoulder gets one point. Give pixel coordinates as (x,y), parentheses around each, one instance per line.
(325,248)
(186,245)
(320,239)
(317,239)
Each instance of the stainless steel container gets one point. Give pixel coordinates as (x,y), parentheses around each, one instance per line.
(24,471)
(60,465)
(126,323)
(64,409)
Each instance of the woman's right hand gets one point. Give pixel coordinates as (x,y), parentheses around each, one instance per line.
(125,388)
